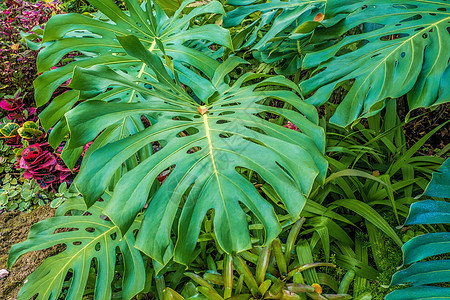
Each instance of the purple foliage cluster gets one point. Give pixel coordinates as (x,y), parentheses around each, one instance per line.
(47,167)
(16,109)
(18,62)
(34,155)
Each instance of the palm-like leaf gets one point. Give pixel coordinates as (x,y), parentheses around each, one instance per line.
(94,240)
(406,55)
(422,273)
(204,146)
(278,22)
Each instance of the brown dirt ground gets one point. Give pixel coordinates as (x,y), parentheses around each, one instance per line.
(14,228)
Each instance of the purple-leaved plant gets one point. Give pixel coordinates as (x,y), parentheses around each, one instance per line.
(18,62)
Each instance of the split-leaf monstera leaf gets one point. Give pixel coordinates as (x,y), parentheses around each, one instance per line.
(94,41)
(90,240)
(406,54)
(205,143)
(274,34)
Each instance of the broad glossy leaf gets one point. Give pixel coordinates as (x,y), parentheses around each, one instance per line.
(92,240)
(425,272)
(204,147)
(405,54)
(283,14)
(426,245)
(274,33)
(95,39)
(419,292)
(440,182)
(429,212)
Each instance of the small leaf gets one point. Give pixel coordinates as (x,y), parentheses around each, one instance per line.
(319,18)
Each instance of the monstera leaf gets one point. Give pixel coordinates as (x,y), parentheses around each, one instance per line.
(206,142)
(277,22)
(406,54)
(422,273)
(94,39)
(91,241)
(95,42)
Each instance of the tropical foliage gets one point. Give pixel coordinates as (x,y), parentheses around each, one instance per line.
(191,153)
(401,52)
(421,274)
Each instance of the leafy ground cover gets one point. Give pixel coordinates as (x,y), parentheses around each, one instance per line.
(224,149)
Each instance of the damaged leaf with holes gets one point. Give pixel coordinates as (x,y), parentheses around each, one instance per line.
(90,240)
(207,141)
(405,53)
(94,39)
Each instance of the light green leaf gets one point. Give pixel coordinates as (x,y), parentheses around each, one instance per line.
(217,139)
(93,240)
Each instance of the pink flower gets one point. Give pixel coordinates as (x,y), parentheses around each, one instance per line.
(291,125)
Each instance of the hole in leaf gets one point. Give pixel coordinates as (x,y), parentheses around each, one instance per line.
(156,146)
(222,122)
(432,14)
(420,28)
(103,217)
(425,35)
(97,247)
(225,135)
(90,229)
(375,55)
(285,170)
(224,113)
(189,131)
(347,49)
(163,175)
(403,54)
(76,243)
(442,9)
(113,236)
(363,7)
(393,36)
(193,150)
(231,104)
(413,18)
